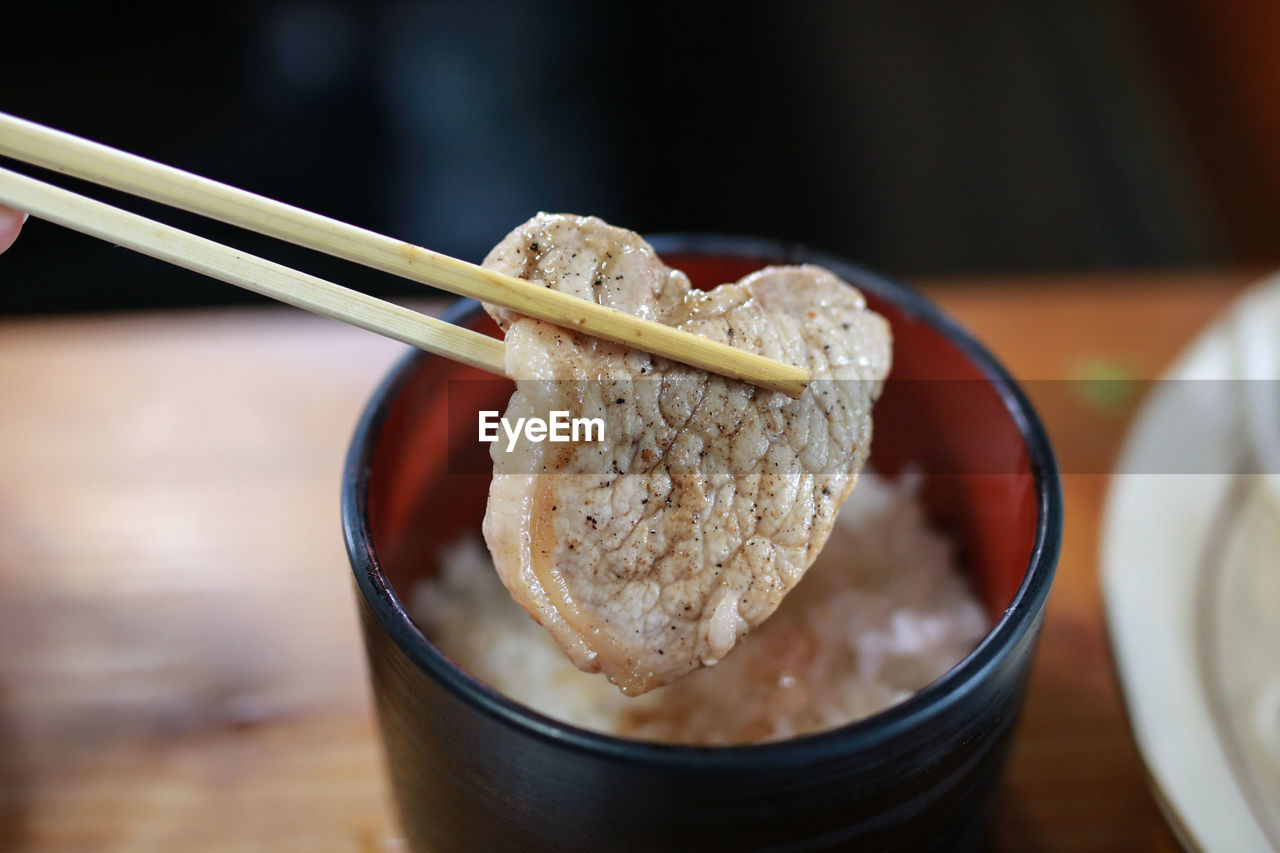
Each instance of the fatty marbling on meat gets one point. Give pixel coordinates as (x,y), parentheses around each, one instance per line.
(654,551)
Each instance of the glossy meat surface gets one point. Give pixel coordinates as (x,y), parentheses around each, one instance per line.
(653,551)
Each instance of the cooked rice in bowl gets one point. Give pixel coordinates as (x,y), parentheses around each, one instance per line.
(883,612)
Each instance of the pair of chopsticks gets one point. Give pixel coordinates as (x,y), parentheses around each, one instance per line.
(72,155)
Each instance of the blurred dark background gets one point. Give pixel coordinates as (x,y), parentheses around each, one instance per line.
(920,137)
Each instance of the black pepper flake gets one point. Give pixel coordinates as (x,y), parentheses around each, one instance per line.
(619,401)
(533,247)
(597,283)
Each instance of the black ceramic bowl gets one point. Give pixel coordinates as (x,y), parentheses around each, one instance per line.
(474,770)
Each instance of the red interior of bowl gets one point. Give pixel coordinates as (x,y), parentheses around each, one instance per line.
(938,413)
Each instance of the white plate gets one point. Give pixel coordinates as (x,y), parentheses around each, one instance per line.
(1190,569)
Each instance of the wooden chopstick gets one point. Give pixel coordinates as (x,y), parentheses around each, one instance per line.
(72,155)
(249,271)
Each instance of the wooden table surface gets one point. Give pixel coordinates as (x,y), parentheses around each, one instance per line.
(180,667)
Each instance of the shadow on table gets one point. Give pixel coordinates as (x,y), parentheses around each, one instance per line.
(1012,827)
(14,798)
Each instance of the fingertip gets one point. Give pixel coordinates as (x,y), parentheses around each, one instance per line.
(11,222)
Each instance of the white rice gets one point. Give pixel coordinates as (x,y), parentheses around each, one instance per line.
(881,614)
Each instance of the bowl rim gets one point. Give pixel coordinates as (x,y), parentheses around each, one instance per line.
(934,699)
